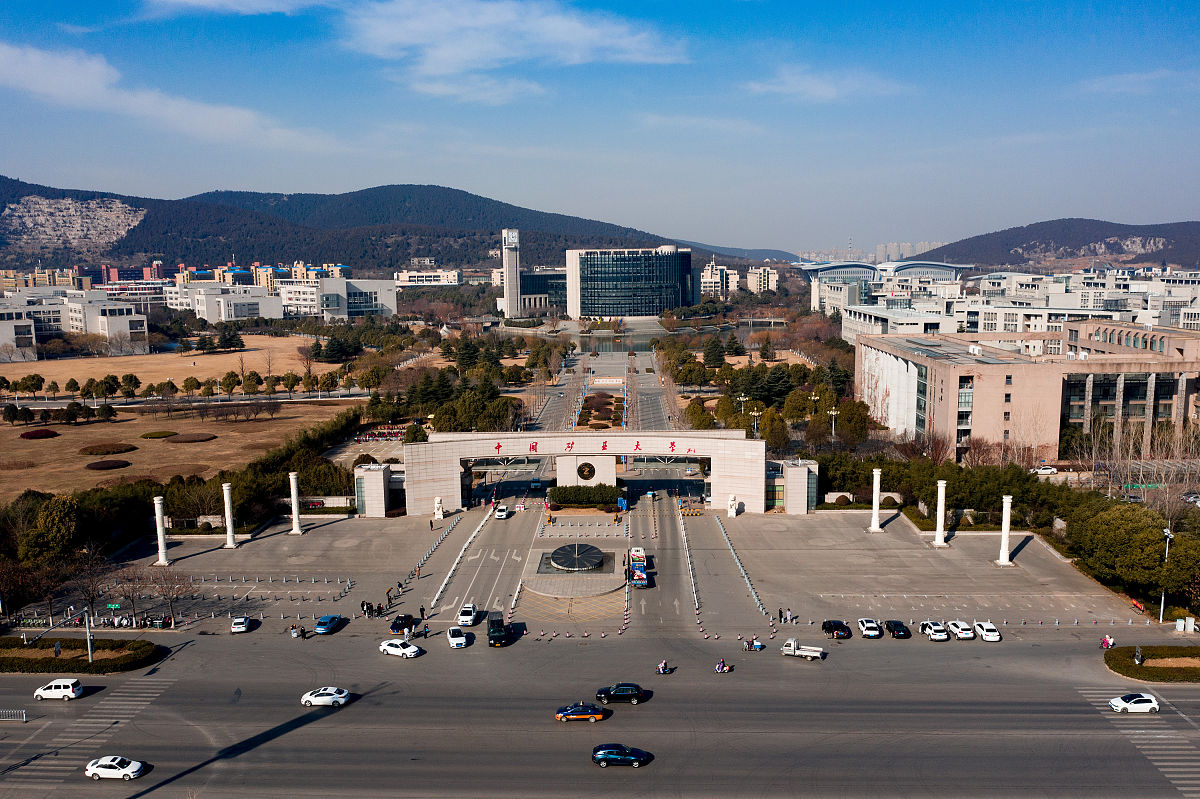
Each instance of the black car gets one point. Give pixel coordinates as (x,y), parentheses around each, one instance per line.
(835,629)
(606,755)
(621,692)
(897,629)
(403,622)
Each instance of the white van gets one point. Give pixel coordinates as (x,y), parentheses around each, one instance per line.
(501,511)
(59,689)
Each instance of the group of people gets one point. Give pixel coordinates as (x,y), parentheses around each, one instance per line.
(383,432)
(372,611)
(787,617)
(299,632)
(1108,642)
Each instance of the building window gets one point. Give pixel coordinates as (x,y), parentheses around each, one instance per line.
(1008,416)
(1007,398)
(1008,380)
(1006,435)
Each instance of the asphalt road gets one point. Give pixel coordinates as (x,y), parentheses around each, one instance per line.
(877,718)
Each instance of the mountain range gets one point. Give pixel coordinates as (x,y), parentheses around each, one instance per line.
(1170,243)
(374,230)
(378,230)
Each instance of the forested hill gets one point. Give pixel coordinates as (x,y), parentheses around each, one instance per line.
(434,206)
(1174,243)
(375,231)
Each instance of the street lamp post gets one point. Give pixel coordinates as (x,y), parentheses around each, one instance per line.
(833,415)
(742,399)
(756,414)
(1162,602)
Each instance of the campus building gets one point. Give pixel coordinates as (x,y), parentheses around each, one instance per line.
(437,277)
(609,284)
(762,278)
(989,388)
(718,281)
(53,310)
(853,282)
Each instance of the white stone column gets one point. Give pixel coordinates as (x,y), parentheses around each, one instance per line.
(1005,519)
(939,536)
(227,490)
(875,478)
(294,480)
(160,526)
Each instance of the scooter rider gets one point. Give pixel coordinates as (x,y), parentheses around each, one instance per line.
(662,667)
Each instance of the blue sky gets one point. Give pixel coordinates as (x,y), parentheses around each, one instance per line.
(751,123)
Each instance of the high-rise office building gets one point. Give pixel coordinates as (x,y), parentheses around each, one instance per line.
(624,283)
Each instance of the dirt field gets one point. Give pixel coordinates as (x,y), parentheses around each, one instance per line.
(58,466)
(171,366)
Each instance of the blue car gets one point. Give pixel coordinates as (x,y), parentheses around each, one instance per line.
(606,755)
(327,624)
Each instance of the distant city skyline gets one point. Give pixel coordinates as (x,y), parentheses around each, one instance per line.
(737,123)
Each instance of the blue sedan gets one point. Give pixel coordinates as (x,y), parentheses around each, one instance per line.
(327,624)
(606,755)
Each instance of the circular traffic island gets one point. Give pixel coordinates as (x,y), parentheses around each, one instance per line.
(576,558)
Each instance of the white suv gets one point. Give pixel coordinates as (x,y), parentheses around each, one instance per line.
(934,631)
(501,511)
(467,614)
(960,630)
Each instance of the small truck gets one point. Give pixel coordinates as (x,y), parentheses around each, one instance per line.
(796,649)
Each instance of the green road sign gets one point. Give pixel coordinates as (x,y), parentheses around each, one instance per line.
(113,607)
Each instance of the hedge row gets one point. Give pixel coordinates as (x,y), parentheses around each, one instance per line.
(585,496)
(1120,660)
(140,654)
(159,434)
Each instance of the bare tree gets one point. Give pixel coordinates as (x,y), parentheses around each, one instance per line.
(306,359)
(268,360)
(172,586)
(92,572)
(131,582)
(242,368)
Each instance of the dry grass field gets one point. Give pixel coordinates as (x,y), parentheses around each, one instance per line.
(54,464)
(171,366)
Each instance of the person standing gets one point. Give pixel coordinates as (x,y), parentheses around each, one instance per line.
(422,613)
(431,525)
(781,615)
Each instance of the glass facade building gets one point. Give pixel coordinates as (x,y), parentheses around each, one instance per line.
(621,283)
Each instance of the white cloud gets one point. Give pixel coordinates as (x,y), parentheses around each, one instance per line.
(246,7)
(460,39)
(713,124)
(1143,82)
(74,79)
(474,88)
(800,82)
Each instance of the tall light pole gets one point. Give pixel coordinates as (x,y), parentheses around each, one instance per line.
(833,415)
(1162,603)
(742,399)
(756,414)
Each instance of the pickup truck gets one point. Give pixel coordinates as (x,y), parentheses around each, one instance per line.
(794,648)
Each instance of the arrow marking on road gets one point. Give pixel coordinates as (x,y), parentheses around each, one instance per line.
(643,606)
(676,605)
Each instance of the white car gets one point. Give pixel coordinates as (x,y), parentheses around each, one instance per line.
(1134,703)
(334,697)
(869,628)
(1044,469)
(501,511)
(240,624)
(934,631)
(960,630)
(456,638)
(987,631)
(467,615)
(398,646)
(62,688)
(113,767)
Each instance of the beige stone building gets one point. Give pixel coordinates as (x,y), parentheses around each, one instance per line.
(989,388)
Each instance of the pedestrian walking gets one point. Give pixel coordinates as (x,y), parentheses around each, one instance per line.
(781,615)
(400,586)
(406,635)
(789,615)
(422,613)
(389,597)
(426,634)
(431,525)
(418,572)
